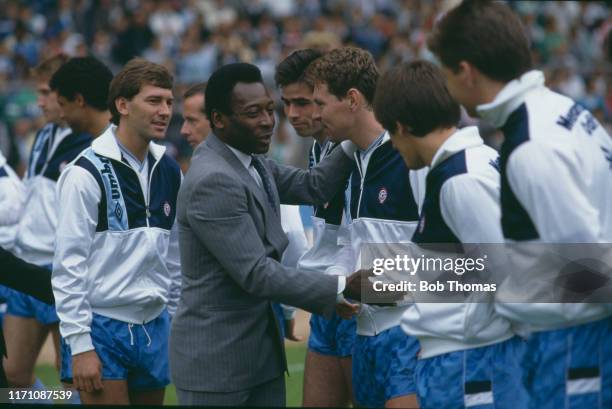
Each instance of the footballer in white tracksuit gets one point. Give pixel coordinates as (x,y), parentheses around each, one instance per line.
(469,355)
(556,187)
(116,273)
(381,206)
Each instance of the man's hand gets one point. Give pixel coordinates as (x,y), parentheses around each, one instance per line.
(360,288)
(355,283)
(346,310)
(87,372)
(290,331)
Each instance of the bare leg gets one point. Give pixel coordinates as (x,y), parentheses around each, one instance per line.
(24,339)
(114,393)
(149,398)
(347,368)
(406,401)
(324,381)
(54,329)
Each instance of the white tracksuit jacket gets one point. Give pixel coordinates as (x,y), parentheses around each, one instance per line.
(461,206)
(117,245)
(556,187)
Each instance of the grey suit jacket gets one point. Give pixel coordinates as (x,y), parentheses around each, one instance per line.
(224,334)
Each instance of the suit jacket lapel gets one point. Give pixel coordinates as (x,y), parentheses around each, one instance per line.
(275,195)
(215,143)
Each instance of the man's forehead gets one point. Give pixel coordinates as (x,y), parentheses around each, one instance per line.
(148,90)
(194,100)
(296,90)
(43,85)
(321,89)
(250,94)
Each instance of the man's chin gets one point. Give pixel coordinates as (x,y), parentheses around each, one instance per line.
(262,148)
(156,136)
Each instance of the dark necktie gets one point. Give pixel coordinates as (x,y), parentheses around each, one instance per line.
(259,167)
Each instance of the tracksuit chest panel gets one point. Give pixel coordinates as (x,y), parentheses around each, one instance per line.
(387,193)
(123,205)
(68,149)
(516,222)
(432,228)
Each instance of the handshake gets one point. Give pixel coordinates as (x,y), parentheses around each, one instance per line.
(359,289)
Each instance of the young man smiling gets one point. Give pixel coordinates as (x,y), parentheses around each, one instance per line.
(116,274)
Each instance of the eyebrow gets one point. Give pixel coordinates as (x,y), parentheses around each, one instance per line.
(257,105)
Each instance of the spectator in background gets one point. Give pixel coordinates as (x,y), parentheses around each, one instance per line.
(195,124)
(136,37)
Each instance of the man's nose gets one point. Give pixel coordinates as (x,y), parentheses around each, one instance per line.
(185,129)
(267,119)
(292,112)
(165,109)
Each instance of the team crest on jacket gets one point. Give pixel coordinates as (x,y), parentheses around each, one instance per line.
(382,195)
(167,209)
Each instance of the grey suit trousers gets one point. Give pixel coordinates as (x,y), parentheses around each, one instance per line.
(271,393)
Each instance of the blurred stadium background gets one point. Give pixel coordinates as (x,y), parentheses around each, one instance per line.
(570,42)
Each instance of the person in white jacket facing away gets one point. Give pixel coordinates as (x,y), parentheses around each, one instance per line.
(475,345)
(556,188)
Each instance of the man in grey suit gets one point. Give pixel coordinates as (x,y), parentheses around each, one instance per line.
(225,345)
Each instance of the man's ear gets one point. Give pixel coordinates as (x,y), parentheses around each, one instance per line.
(354,99)
(402,130)
(121,105)
(78,98)
(217,120)
(467,73)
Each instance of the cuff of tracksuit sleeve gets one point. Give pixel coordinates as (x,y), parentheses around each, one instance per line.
(349,148)
(80,343)
(341,287)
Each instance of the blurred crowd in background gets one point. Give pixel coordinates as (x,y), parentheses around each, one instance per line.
(194,37)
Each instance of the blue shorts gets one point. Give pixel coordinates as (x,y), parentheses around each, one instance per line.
(133,352)
(335,337)
(485,378)
(384,367)
(26,306)
(5,294)
(570,368)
